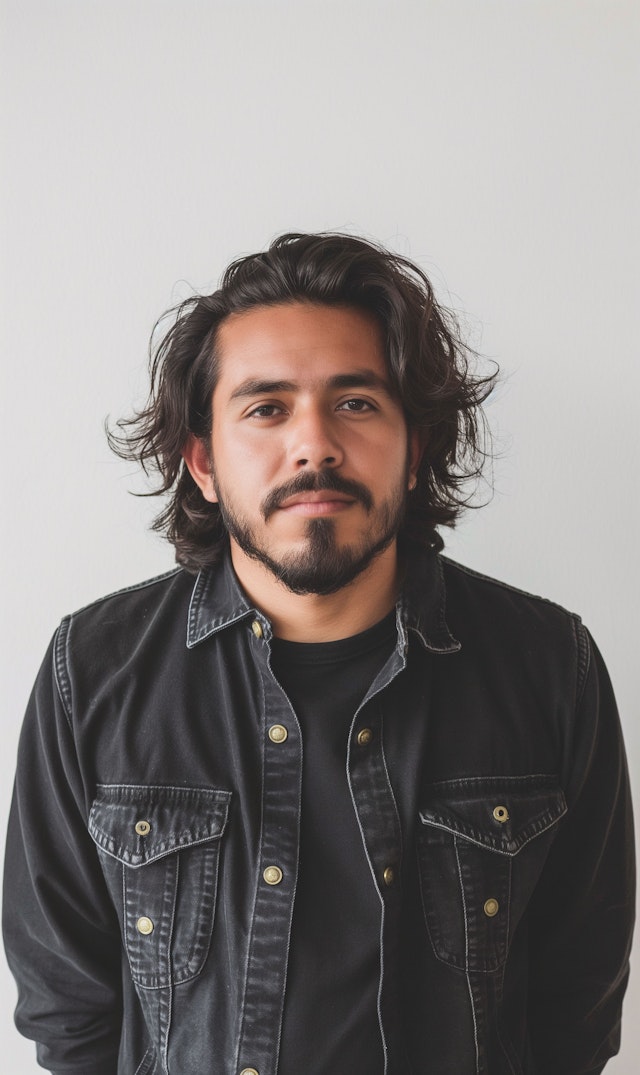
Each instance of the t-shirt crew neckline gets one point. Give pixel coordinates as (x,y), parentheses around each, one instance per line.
(338,650)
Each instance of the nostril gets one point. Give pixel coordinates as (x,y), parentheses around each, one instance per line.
(328,461)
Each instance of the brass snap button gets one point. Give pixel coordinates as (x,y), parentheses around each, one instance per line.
(501,813)
(491,908)
(364,737)
(248,1071)
(143,828)
(389,876)
(273,875)
(256,627)
(278,733)
(144,926)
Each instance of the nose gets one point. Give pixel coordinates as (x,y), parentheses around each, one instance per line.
(314,442)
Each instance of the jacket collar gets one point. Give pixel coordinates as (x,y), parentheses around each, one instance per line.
(218,601)
(422,603)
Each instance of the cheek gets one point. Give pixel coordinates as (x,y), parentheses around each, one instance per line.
(389,457)
(247,468)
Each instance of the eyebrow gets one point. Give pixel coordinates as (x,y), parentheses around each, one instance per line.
(357,379)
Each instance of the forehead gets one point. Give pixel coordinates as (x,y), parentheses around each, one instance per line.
(298,340)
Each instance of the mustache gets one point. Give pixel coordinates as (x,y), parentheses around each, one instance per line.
(320,481)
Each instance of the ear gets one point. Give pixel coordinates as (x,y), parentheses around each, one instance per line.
(196,458)
(417,445)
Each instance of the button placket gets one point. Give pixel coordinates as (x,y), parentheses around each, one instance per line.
(378,817)
(375,805)
(278,858)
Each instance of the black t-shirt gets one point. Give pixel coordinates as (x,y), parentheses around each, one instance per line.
(330,1015)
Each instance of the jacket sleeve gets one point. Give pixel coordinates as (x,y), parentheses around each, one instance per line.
(582,914)
(61,934)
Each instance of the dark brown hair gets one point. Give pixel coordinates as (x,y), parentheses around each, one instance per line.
(429,366)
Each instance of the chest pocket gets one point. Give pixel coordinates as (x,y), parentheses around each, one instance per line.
(160,849)
(482,844)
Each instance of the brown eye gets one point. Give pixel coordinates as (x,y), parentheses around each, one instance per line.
(266,410)
(357,406)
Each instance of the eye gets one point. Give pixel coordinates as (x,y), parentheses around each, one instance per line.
(356,406)
(265,410)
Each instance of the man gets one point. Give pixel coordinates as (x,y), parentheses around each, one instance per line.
(337,804)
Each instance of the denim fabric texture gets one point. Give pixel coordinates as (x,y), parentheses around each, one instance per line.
(144,923)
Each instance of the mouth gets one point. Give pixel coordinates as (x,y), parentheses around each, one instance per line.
(319,503)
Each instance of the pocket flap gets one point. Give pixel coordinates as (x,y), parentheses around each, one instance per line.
(139,823)
(499,813)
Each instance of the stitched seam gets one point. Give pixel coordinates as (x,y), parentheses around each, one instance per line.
(60,668)
(141,1066)
(451,961)
(504,966)
(466,959)
(465,781)
(124,857)
(583,660)
(194,604)
(219,793)
(395,810)
(368,698)
(165,1051)
(212,628)
(125,918)
(385,1049)
(454,644)
(375,884)
(488,847)
(257,875)
(299,815)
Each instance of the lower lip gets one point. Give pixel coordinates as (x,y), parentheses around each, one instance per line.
(318,507)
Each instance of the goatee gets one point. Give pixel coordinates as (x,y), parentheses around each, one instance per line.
(323,566)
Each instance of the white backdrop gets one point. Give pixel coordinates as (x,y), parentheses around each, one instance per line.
(146,143)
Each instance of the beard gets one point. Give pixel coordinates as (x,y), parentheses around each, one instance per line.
(323,566)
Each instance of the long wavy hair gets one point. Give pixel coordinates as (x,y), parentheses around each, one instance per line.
(429,366)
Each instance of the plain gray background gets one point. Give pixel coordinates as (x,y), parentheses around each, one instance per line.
(148,143)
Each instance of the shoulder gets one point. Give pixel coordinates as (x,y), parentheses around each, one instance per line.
(139,595)
(476,586)
(128,613)
(495,615)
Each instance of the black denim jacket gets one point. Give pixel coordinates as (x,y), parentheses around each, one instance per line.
(153,841)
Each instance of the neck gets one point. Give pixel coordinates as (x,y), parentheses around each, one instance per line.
(315,617)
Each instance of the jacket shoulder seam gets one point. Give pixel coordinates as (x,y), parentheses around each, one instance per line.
(583,660)
(575,616)
(128,589)
(60,667)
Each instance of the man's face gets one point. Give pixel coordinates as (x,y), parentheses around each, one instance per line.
(310,457)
